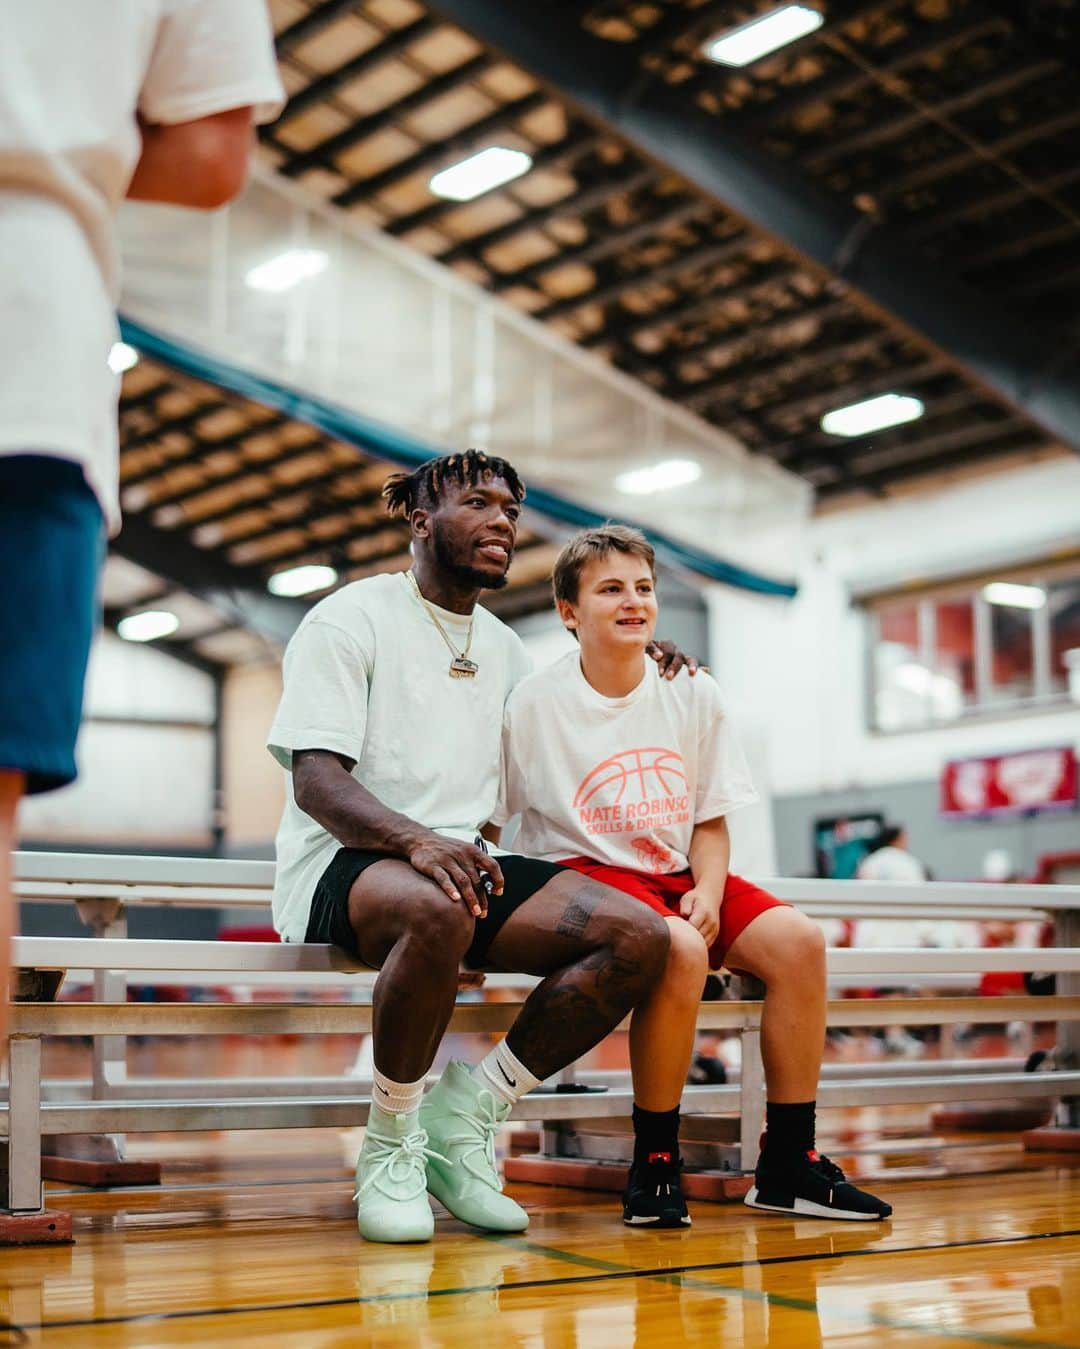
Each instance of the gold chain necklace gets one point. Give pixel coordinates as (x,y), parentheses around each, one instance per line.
(461,667)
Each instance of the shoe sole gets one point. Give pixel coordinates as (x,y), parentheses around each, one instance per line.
(658,1222)
(806,1208)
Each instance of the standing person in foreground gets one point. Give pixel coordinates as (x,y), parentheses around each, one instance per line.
(632,787)
(150,99)
(389,728)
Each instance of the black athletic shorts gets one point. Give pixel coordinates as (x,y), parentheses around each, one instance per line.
(329,920)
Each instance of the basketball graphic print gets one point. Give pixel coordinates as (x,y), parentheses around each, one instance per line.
(640,794)
(644,772)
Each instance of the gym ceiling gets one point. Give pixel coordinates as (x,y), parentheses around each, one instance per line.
(889,204)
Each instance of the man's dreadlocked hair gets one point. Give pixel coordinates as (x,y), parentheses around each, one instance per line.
(404,492)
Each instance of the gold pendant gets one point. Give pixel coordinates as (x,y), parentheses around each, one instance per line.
(461,668)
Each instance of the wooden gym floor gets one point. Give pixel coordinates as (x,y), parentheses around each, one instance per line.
(251,1237)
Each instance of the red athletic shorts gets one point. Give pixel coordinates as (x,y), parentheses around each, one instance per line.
(742,901)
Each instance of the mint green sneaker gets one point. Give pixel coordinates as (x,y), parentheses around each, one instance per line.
(391,1183)
(461,1119)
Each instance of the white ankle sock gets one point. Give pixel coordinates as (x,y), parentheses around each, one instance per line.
(395,1098)
(505,1076)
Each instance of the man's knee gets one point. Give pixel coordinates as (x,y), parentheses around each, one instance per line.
(426,918)
(639,939)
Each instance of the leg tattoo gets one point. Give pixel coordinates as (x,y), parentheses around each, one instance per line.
(573,1010)
(577,913)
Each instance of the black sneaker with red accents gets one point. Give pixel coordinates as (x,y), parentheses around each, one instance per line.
(812,1186)
(653,1196)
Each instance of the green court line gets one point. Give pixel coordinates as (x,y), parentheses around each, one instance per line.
(684,1278)
(603,1270)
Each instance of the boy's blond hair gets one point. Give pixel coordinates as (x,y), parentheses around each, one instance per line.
(579,551)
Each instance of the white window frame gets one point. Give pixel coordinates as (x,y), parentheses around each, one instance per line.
(925,600)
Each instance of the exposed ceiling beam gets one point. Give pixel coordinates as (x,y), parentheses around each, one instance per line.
(392,45)
(441,151)
(719,340)
(682,212)
(985,338)
(308,25)
(810,448)
(882,130)
(578,141)
(702,304)
(982,207)
(238,593)
(321,155)
(693,259)
(880,481)
(934,40)
(784,368)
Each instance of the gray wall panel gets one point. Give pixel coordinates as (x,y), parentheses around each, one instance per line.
(952,849)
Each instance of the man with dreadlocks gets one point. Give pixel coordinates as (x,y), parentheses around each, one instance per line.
(389,729)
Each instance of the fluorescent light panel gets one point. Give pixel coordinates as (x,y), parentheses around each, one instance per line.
(147,626)
(288,269)
(658,477)
(122,357)
(480,173)
(1013,595)
(301,580)
(873,414)
(767,33)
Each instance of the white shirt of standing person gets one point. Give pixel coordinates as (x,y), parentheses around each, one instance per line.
(366,676)
(891,864)
(75,77)
(619,780)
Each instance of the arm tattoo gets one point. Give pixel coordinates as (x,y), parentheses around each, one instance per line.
(576,915)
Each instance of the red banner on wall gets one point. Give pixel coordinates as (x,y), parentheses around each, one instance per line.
(995,784)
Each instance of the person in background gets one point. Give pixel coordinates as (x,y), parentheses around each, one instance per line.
(153,100)
(891,859)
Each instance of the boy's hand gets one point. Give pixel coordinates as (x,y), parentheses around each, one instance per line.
(671,660)
(703,911)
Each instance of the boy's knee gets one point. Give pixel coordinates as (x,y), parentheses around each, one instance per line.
(688,956)
(801,948)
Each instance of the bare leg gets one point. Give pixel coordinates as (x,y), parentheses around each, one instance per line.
(602,953)
(11,789)
(663,1026)
(786,950)
(408,929)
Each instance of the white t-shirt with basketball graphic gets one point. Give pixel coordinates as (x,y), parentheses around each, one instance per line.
(620,780)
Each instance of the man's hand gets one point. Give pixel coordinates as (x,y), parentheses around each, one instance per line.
(671,660)
(703,911)
(458,868)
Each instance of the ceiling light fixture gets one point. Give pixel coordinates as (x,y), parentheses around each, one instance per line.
(873,414)
(301,580)
(147,626)
(288,269)
(658,477)
(480,173)
(122,357)
(767,33)
(1013,595)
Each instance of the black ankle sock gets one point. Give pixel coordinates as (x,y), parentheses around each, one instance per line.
(656,1131)
(789,1129)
